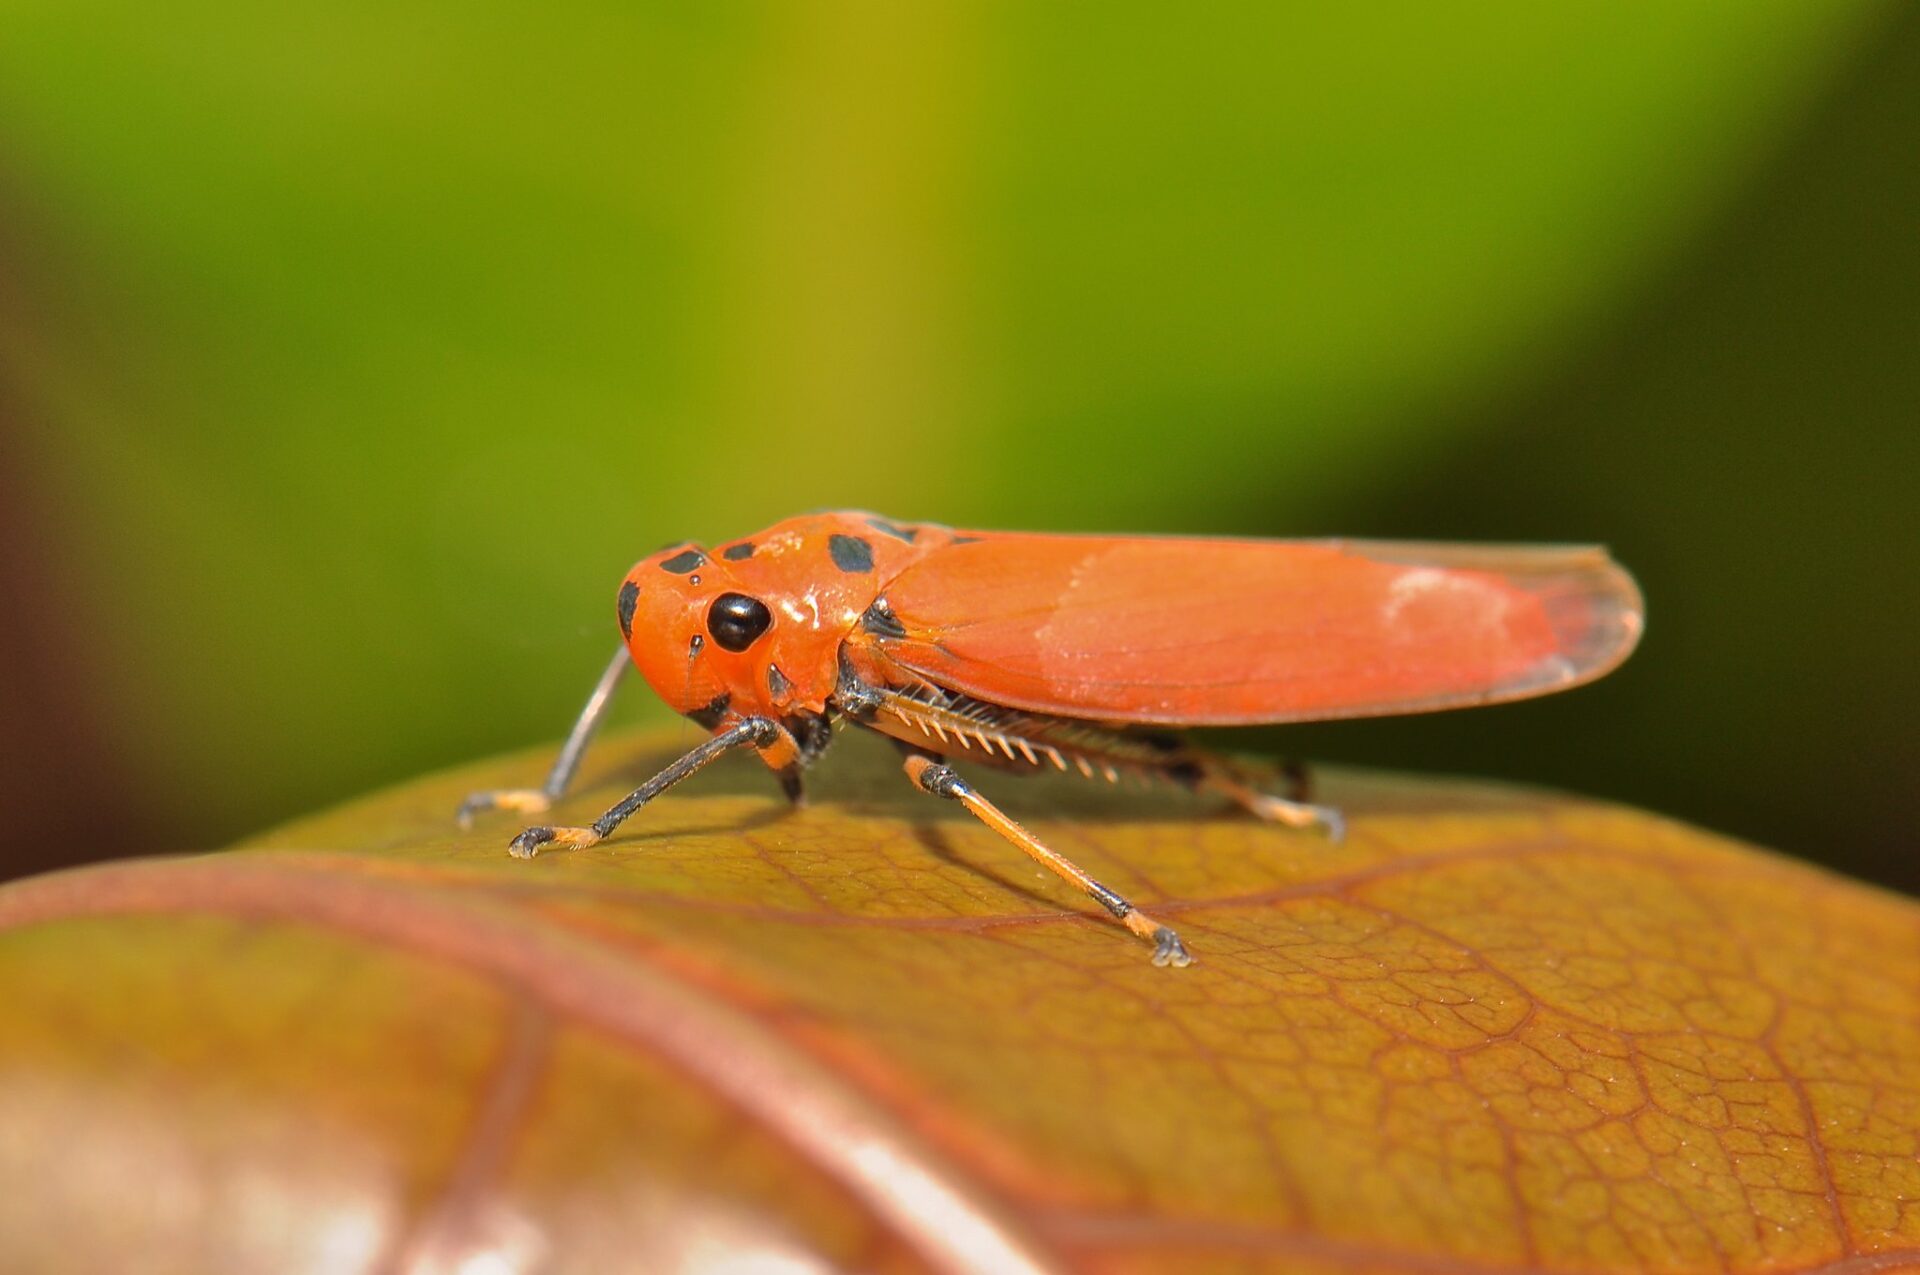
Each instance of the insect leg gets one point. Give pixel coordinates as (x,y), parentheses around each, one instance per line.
(759,732)
(810,737)
(940,780)
(1294,814)
(1299,777)
(535,800)
(1208,772)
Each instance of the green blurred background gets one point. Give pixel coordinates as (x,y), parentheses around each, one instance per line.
(349,355)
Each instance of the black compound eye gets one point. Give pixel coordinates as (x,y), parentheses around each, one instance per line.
(736,620)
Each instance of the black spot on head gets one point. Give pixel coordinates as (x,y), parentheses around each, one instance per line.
(738,553)
(894,529)
(629,599)
(714,713)
(737,621)
(777,683)
(880,620)
(684,561)
(850,553)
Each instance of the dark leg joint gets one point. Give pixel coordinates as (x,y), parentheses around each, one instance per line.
(792,785)
(1188,774)
(1109,900)
(1299,777)
(942,782)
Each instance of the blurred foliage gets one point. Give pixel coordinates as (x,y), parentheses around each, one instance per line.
(360,350)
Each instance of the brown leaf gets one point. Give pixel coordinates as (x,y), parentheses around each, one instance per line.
(1493,1029)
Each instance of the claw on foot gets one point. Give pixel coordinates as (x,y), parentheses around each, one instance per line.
(1169,950)
(533,840)
(528,801)
(1167,947)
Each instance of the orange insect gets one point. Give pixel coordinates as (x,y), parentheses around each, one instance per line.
(1021,652)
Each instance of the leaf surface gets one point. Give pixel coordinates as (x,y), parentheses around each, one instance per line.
(1494,1029)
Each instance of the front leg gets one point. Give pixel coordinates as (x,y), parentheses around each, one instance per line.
(535,800)
(760,732)
(806,738)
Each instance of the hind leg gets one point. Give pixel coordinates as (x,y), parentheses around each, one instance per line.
(1211,773)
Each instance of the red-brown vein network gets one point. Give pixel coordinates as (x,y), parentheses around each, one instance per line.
(1493,1031)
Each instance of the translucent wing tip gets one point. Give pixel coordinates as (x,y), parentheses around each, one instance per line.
(1592,605)
(1595,609)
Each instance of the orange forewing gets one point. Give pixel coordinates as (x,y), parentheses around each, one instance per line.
(1224,632)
